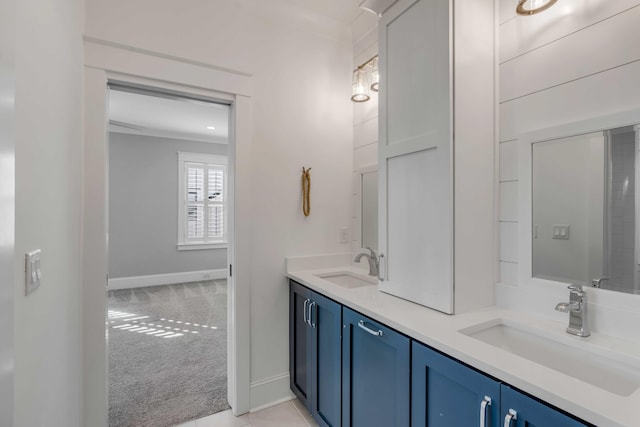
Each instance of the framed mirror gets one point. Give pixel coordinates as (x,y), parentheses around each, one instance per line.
(580,204)
(368,207)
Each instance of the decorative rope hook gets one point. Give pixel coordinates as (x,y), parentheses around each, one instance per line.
(306,191)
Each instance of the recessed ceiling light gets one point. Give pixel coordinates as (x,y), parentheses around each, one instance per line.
(211,127)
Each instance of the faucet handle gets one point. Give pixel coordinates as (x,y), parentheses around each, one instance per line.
(576,289)
(373,253)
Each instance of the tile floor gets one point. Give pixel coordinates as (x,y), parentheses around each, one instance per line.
(287,414)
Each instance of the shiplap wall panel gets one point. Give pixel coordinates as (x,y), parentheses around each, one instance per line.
(363,26)
(609,43)
(507,10)
(523,34)
(365,156)
(601,94)
(365,133)
(367,39)
(509,241)
(509,161)
(509,273)
(567,68)
(365,118)
(363,111)
(509,201)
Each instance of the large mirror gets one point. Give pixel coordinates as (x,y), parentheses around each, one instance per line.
(369,208)
(585,213)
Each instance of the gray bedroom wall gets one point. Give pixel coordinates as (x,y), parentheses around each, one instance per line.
(143,207)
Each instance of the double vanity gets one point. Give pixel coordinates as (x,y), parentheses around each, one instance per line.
(362,357)
(432,336)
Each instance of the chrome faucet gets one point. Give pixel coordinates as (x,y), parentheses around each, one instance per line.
(577,309)
(597,283)
(373,259)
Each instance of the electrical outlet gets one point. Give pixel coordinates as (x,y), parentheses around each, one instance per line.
(344,235)
(33,271)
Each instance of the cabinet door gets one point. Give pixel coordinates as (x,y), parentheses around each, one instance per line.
(532,413)
(375,373)
(326,323)
(446,393)
(415,153)
(300,342)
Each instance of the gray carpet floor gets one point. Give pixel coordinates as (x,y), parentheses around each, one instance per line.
(167,353)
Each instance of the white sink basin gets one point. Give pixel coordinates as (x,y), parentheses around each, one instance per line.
(347,279)
(608,370)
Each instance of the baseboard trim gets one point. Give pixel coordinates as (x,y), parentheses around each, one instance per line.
(165,279)
(270,391)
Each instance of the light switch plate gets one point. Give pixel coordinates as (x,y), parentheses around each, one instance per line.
(561,231)
(33,272)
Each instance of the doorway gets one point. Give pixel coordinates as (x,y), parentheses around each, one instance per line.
(168,228)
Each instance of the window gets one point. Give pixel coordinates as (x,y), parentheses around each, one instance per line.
(202,181)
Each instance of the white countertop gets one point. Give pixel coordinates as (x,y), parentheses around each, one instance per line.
(441,331)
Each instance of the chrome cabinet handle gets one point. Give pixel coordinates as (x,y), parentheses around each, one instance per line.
(486,403)
(512,415)
(377,333)
(304,309)
(311,322)
(381,267)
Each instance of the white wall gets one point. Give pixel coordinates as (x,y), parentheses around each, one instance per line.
(143,207)
(572,62)
(302,116)
(48,199)
(7,204)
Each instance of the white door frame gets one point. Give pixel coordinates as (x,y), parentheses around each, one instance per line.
(106,62)
(7,206)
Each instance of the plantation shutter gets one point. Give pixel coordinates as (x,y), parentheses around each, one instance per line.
(195,203)
(204,202)
(215,223)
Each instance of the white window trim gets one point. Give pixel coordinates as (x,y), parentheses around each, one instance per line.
(184,157)
(199,246)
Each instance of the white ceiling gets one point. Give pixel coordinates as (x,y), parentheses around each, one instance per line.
(341,10)
(169,117)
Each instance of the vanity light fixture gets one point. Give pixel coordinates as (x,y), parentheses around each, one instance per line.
(360,86)
(365,79)
(531,7)
(375,75)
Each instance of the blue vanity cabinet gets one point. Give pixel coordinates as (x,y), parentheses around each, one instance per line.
(446,393)
(375,373)
(315,325)
(351,371)
(300,343)
(326,362)
(520,410)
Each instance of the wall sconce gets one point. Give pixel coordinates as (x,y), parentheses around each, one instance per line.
(365,79)
(375,75)
(360,86)
(531,7)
